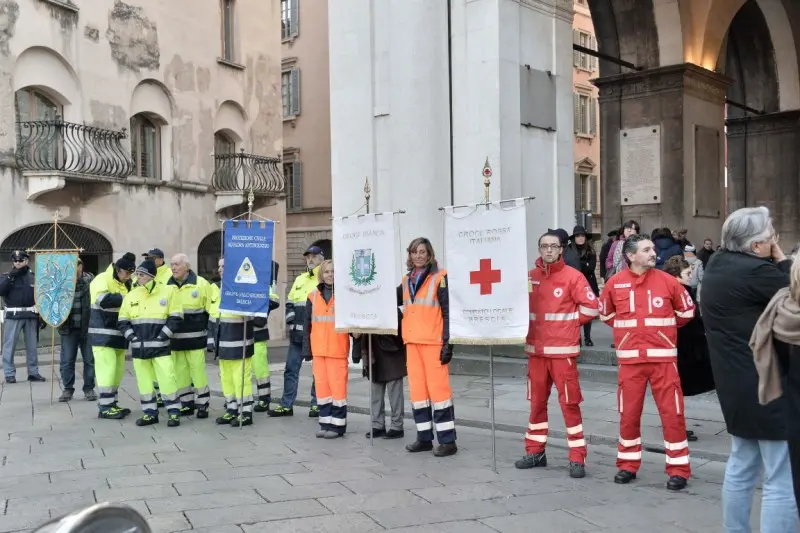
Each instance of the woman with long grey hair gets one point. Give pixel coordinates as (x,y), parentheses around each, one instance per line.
(738,284)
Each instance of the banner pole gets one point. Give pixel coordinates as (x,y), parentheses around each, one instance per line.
(52,329)
(369,338)
(491,407)
(250,199)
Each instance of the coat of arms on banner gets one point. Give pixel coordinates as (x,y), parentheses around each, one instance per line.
(54,288)
(362,268)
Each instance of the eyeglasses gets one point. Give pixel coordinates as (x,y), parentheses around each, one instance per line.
(545,247)
(18,261)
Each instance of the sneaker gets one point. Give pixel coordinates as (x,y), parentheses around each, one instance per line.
(202,412)
(174,421)
(245,419)
(226,418)
(66,395)
(187,410)
(11,379)
(37,377)
(531,460)
(576,470)
(313,412)
(261,406)
(281,411)
(90,396)
(111,414)
(147,420)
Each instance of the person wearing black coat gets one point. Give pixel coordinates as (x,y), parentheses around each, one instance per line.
(739,282)
(74,334)
(606,248)
(666,246)
(569,255)
(583,248)
(386,373)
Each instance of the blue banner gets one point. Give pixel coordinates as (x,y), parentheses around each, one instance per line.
(247,250)
(54,285)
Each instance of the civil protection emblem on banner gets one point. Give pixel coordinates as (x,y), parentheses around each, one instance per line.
(364,258)
(247,249)
(55,275)
(486,257)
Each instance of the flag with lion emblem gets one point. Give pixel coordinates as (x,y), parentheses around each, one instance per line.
(365,259)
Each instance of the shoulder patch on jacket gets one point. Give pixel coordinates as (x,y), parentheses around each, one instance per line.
(443,284)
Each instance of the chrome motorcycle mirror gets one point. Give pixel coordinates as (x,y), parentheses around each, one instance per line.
(99,518)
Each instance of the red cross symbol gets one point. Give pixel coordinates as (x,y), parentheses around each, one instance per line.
(485,276)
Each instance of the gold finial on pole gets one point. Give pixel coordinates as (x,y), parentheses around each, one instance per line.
(251,198)
(367,191)
(55,230)
(487,179)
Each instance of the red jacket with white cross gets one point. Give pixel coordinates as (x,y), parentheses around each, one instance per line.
(560,301)
(645,312)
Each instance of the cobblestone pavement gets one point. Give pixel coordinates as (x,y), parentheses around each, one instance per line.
(274,476)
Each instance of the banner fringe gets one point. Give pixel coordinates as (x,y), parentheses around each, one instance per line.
(367,331)
(487,342)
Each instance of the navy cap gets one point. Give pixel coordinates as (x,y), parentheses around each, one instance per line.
(155,252)
(19,255)
(313,250)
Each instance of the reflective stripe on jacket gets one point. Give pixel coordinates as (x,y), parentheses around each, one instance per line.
(227,332)
(645,312)
(322,338)
(106,293)
(560,300)
(423,319)
(194,296)
(296,303)
(151,314)
(261,333)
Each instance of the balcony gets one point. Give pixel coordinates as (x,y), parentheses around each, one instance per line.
(237,174)
(51,151)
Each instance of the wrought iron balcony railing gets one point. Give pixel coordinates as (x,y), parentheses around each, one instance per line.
(55,145)
(242,172)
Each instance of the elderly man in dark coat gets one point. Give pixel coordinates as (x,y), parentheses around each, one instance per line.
(738,284)
(387,373)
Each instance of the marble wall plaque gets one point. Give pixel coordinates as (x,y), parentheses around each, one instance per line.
(640,165)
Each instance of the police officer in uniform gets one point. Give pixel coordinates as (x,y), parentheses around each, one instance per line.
(16,288)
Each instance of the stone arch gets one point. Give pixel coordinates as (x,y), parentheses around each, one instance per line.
(785,48)
(671,45)
(626,29)
(97,254)
(208,253)
(231,119)
(49,72)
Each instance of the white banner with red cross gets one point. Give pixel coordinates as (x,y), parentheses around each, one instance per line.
(486,260)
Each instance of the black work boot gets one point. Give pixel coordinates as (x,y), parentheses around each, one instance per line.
(261,406)
(419,446)
(676,483)
(174,420)
(37,377)
(187,410)
(202,411)
(245,419)
(124,410)
(11,379)
(531,460)
(226,418)
(624,477)
(445,450)
(147,420)
(111,414)
(66,395)
(577,470)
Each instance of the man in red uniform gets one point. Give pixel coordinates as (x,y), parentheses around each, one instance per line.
(646,307)
(561,301)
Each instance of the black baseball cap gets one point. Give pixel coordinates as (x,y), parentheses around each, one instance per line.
(155,252)
(313,250)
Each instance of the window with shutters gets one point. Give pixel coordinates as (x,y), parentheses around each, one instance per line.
(585,114)
(227,30)
(586,193)
(146,147)
(293,174)
(289,19)
(290,93)
(583,60)
(46,143)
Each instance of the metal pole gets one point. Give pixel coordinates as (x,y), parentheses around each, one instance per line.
(52,330)
(491,407)
(250,200)
(369,339)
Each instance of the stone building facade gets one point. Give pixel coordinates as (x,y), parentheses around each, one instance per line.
(143,123)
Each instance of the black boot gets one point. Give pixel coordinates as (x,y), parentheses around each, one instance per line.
(676,483)
(419,446)
(174,420)
(690,436)
(202,411)
(66,395)
(376,433)
(147,420)
(261,406)
(624,477)
(246,419)
(446,450)
(187,410)
(111,414)
(531,460)
(577,470)
(226,418)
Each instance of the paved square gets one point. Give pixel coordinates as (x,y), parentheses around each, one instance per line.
(275,476)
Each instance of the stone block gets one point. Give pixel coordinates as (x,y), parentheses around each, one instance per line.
(546,521)
(97,474)
(202,501)
(214,474)
(329,476)
(458,493)
(37,504)
(246,514)
(210,487)
(119,459)
(182,466)
(422,515)
(351,523)
(168,523)
(397,482)
(104,494)
(371,502)
(459,526)
(286,493)
(155,479)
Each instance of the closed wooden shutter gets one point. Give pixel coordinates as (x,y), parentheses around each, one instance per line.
(294,92)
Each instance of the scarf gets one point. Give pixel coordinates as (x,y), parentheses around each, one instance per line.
(780,320)
(617,261)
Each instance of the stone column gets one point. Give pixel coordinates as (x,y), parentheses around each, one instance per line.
(687,104)
(764,169)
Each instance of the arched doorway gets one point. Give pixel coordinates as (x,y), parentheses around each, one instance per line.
(97,251)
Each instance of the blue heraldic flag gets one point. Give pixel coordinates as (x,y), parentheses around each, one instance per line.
(247,249)
(54,285)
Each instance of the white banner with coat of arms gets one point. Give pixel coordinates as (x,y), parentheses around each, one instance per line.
(365,284)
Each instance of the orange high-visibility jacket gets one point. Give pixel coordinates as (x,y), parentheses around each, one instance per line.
(323,339)
(424,318)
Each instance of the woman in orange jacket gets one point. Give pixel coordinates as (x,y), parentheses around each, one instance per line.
(426,332)
(330,351)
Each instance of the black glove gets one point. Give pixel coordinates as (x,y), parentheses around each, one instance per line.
(14,273)
(357,356)
(447,354)
(308,357)
(42,323)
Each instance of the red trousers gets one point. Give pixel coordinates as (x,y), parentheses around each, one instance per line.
(543,372)
(666,386)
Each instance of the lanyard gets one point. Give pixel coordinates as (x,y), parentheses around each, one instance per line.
(413,285)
